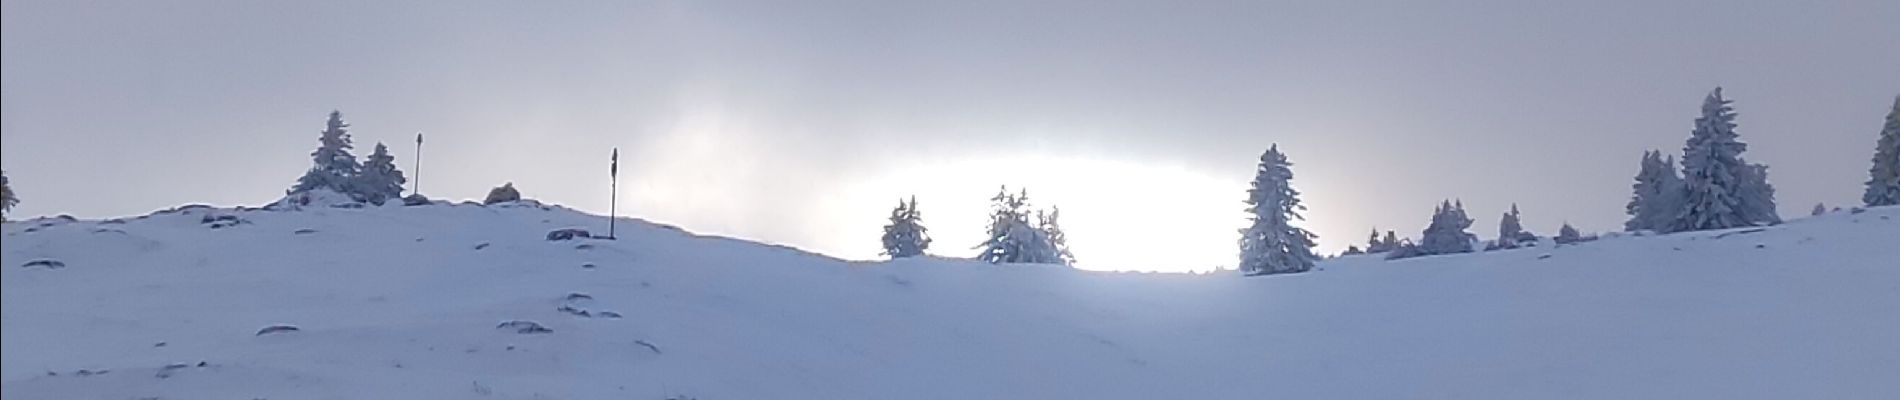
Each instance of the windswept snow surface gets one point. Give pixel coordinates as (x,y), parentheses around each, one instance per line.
(405,303)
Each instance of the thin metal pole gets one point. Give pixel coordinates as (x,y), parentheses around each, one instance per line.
(417,188)
(613,200)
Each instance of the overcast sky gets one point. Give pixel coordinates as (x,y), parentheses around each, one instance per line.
(802,122)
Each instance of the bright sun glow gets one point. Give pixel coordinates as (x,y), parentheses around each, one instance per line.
(1118,215)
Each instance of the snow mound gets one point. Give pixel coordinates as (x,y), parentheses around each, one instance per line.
(316,198)
(405,302)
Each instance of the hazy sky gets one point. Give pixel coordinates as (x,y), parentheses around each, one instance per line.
(802,122)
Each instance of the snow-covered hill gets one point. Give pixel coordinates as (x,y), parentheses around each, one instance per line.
(405,303)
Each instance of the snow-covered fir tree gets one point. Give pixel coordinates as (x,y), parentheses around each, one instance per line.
(1883,183)
(1375,245)
(1722,189)
(334,165)
(1012,238)
(1758,197)
(1006,229)
(906,236)
(1352,250)
(1819,208)
(1057,243)
(1511,233)
(1447,234)
(379,181)
(1657,197)
(1271,244)
(1568,235)
(7,201)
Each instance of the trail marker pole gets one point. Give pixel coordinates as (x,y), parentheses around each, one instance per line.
(417,188)
(613,200)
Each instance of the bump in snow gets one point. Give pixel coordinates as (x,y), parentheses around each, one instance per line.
(569,234)
(274,329)
(44,263)
(524,327)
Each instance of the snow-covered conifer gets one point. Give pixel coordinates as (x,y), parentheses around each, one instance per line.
(1055,243)
(379,181)
(1722,189)
(1511,233)
(1883,183)
(1271,244)
(1657,197)
(1373,245)
(7,201)
(334,165)
(1446,234)
(906,235)
(1012,239)
(1758,197)
(1568,235)
(1819,208)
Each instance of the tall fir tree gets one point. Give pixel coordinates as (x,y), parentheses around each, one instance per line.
(334,164)
(1883,183)
(379,181)
(1657,194)
(1271,244)
(1721,189)
(906,235)
(7,199)
(1511,233)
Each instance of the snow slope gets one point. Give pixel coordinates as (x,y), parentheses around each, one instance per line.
(404,303)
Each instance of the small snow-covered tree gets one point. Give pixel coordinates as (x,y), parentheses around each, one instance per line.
(1883,183)
(1005,236)
(1658,195)
(1758,197)
(906,236)
(7,200)
(1511,233)
(380,181)
(1352,251)
(1373,245)
(1446,234)
(334,166)
(1056,243)
(503,194)
(1722,190)
(1819,208)
(1012,238)
(1271,244)
(1568,235)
